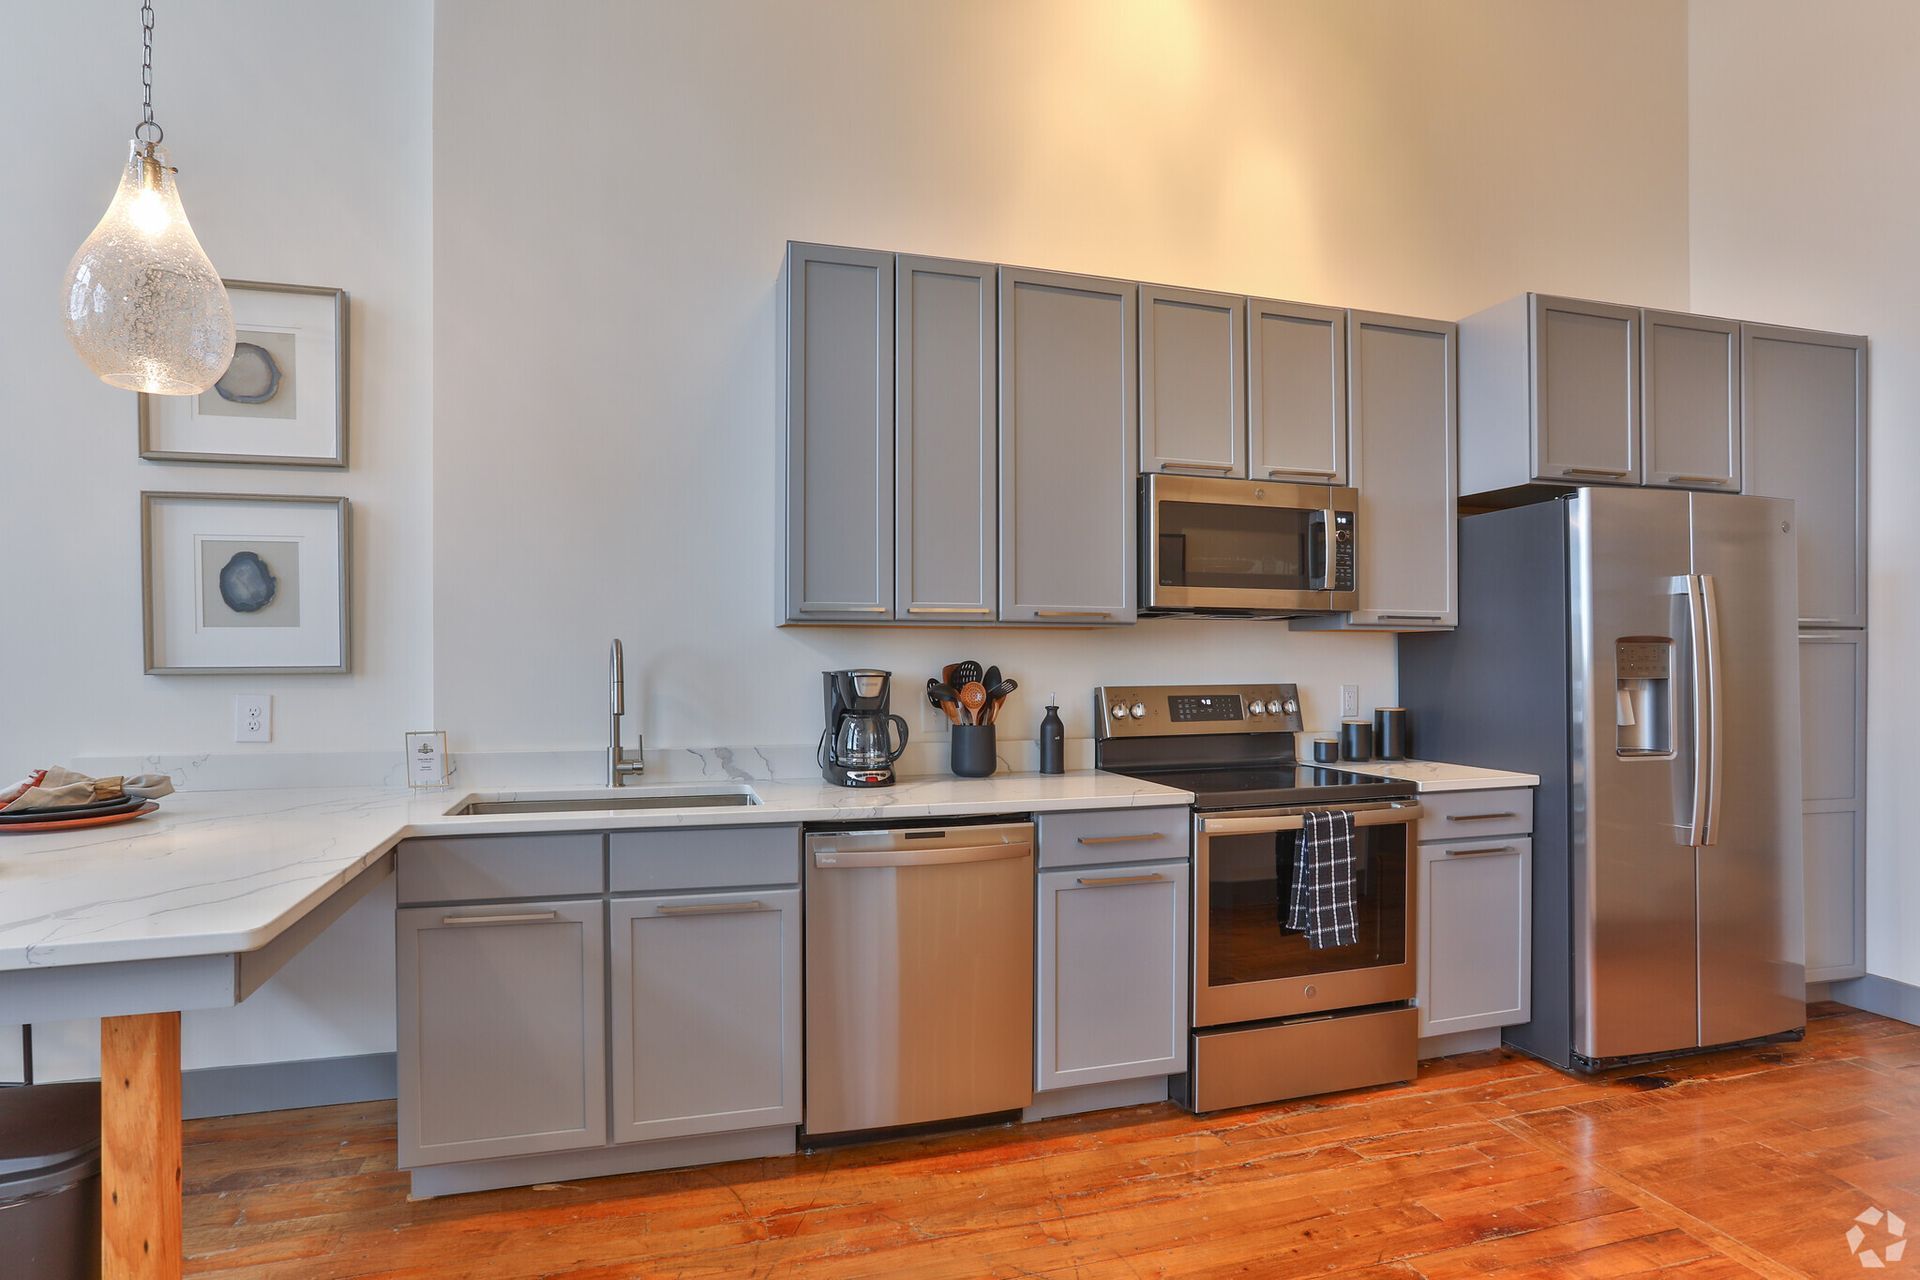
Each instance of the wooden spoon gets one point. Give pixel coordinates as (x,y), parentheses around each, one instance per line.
(973,696)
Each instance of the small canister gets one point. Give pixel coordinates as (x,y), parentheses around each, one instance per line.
(1356,740)
(1390,733)
(1326,751)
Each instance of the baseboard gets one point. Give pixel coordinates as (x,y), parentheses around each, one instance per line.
(1885,996)
(601,1162)
(287,1086)
(1095,1097)
(1453,1042)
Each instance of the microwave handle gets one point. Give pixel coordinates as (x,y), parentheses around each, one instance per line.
(1317,551)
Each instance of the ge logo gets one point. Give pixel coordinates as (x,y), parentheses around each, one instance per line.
(1893,1229)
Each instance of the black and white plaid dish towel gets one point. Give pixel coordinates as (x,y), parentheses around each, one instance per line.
(1322,902)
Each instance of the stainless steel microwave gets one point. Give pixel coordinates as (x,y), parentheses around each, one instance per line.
(1214,545)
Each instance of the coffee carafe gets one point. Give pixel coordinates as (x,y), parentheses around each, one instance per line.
(857,748)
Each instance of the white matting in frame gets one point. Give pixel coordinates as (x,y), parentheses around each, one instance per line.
(283,400)
(238,583)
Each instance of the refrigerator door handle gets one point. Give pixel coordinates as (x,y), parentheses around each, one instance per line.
(1710,607)
(1700,678)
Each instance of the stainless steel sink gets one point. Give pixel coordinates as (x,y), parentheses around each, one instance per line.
(600,803)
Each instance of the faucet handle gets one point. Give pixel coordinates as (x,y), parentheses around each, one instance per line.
(617,679)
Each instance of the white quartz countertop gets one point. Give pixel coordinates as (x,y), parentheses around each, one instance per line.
(1432,775)
(218,872)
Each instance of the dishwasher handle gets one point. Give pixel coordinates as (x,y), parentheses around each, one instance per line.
(828,858)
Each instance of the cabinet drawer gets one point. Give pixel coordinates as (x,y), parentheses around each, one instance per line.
(1114,835)
(1475,934)
(703,858)
(481,868)
(1468,815)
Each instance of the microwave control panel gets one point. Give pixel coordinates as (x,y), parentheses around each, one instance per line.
(1343,551)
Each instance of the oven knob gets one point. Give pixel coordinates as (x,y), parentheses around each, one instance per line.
(1139,711)
(1311,991)
(1273,707)
(1118,710)
(1290,706)
(1257,707)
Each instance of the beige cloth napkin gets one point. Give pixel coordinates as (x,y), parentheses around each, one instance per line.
(57,788)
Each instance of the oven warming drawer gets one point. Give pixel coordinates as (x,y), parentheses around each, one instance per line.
(1242,1066)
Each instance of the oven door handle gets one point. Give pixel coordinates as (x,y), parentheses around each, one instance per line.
(1405,813)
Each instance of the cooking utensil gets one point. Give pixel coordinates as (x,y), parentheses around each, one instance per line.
(997,695)
(973,696)
(965,673)
(990,679)
(946,698)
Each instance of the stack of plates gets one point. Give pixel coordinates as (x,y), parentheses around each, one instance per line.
(95,813)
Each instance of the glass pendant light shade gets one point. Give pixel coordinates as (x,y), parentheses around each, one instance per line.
(145,308)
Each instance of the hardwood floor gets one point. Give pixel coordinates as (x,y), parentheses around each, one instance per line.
(1738,1164)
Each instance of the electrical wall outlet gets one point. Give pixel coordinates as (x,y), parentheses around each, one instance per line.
(253,717)
(1349,701)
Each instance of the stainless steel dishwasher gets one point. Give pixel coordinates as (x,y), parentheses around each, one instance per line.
(919,975)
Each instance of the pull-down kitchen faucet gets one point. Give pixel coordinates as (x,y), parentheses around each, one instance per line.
(618,765)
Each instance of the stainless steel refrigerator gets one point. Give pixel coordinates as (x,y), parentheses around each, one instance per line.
(1637,649)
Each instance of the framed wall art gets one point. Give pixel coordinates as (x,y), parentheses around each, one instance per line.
(283,400)
(243,583)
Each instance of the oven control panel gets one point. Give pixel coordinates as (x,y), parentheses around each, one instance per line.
(1157,710)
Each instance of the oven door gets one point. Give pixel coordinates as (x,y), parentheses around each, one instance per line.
(1213,543)
(1247,967)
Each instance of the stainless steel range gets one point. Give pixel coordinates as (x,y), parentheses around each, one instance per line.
(1272,1016)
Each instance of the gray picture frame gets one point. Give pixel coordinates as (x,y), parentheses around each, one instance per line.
(342,382)
(344,549)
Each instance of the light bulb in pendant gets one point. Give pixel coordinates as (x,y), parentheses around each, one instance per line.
(145,308)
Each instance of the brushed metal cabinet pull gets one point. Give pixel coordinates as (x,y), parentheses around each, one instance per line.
(1479,817)
(1593,471)
(1073,613)
(1301,471)
(710,908)
(1135,837)
(940,608)
(1699,479)
(524,917)
(1222,467)
(1409,617)
(1109,882)
(1489,848)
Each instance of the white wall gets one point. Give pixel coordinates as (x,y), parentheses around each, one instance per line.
(302,137)
(1805,186)
(614,185)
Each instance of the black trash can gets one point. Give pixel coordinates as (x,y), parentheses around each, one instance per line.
(50,1181)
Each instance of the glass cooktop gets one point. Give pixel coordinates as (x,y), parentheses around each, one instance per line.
(1272,786)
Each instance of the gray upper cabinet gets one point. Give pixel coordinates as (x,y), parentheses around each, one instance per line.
(1585,402)
(1805,437)
(1112,974)
(1833,801)
(1549,393)
(1690,401)
(1193,416)
(946,442)
(1401,421)
(836,388)
(706,1013)
(1068,476)
(502,1030)
(1296,392)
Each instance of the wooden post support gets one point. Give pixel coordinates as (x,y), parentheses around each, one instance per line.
(140,1221)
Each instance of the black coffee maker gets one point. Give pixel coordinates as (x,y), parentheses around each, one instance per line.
(856,747)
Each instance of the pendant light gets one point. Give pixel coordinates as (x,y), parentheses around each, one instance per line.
(145,309)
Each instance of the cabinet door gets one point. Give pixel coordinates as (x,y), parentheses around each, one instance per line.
(1296,392)
(1193,413)
(837,434)
(1833,712)
(1804,436)
(502,1030)
(1586,399)
(1112,977)
(1690,401)
(1402,424)
(706,1013)
(1475,934)
(946,442)
(1068,479)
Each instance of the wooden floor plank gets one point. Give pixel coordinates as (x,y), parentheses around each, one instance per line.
(1739,1164)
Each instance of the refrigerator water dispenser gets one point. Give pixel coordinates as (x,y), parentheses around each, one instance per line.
(1643,697)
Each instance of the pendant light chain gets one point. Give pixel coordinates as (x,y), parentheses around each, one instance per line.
(147,131)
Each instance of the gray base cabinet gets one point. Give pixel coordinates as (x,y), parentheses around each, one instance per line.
(1112,989)
(705,995)
(1475,899)
(1068,475)
(1805,438)
(1402,430)
(502,1030)
(1833,712)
